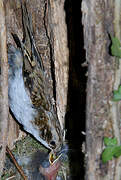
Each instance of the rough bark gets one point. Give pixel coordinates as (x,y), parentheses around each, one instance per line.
(102,116)
(116,107)
(57,31)
(3,88)
(50,33)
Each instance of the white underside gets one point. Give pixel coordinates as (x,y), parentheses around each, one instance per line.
(21,105)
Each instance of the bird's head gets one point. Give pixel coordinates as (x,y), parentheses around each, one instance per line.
(50,133)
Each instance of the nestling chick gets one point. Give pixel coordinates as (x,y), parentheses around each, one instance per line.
(50,172)
(28,92)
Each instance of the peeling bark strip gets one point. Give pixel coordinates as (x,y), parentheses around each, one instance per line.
(4,87)
(98,22)
(57,33)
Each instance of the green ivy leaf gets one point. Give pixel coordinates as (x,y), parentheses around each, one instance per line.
(116,47)
(111,150)
(108,154)
(117,94)
(117,152)
(110,141)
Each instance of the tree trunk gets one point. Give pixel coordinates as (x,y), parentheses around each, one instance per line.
(3,88)
(101,18)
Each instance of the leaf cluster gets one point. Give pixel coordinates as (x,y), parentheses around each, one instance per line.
(112,149)
(116,51)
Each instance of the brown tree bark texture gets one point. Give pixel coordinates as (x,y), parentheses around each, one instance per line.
(60,55)
(3,88)
(102,115)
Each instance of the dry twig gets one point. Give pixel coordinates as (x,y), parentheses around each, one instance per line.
(16,164)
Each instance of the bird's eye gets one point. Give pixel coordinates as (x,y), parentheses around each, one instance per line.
(52,143)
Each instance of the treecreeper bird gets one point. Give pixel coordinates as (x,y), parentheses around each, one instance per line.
(29,99)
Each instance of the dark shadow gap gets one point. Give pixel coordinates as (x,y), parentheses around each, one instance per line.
(76,102)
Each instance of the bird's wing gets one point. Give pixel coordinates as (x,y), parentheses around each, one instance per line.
(33,69)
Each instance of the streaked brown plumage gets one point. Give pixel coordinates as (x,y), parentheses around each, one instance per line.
(29,99)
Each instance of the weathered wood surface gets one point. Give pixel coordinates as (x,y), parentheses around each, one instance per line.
(101,18)
(58,37)
(3,88)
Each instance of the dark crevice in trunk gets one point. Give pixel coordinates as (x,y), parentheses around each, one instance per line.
(76,103)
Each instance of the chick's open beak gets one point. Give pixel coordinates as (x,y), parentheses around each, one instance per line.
(51,172)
